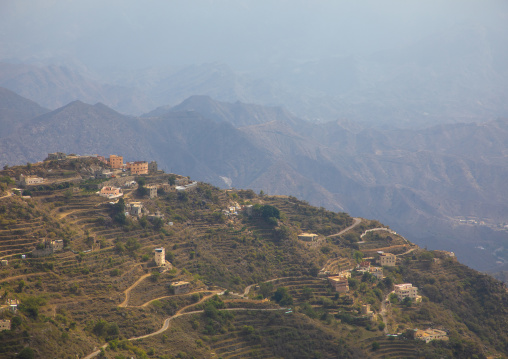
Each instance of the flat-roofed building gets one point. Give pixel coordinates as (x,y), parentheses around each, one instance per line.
(152,167)
(115,161)
(180,287)
(339,283)
(387,259)
(406,290)
(30,180)
(431,334)
(307,237)
(110,191)
(138,167)
(152,190)
(5,324)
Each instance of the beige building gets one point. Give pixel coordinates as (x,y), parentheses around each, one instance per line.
(57,245)
(431,334)
(115,161)
(138,167)
(134,209)
(30,180)
(110,191)
(160,256)
(307,237)
(180,287)
(366,309)
(406,290)
(339,283)
(387,259)
(5,324)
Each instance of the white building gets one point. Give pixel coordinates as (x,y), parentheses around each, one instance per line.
(431,334)
(406,290)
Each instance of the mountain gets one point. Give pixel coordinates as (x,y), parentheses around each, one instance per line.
(442,186)
(55,86)
(238,114)
(15,110)
(453,76)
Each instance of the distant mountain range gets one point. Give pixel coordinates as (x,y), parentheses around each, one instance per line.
(451,77)
(421,182)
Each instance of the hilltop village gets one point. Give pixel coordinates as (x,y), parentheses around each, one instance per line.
(101,258)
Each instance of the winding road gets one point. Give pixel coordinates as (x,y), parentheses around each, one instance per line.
(356,221)
(128,290)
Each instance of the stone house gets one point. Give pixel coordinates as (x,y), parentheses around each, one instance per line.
(180,287)
(152,167)
(30,180)
(339,283)
(387,259)
(5,324)
(152,189)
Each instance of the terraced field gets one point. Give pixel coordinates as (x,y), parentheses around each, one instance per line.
(395,348)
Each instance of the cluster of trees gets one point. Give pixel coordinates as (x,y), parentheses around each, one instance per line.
(269,213)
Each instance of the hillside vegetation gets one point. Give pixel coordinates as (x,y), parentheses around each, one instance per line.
(255,289)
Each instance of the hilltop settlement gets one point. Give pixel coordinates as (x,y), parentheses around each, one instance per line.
(111,259)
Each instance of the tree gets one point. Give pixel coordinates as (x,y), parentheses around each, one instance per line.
(358,256)
(266,289)
(268,211)
(282,296)
(26,353)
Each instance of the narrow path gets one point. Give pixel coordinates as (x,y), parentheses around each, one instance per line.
(166,322)
(177,295)
(407,252)
(383,311)
(356,221)
(9,194)
(127,292)
(247,290)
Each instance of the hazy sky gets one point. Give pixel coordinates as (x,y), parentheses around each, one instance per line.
(241,33)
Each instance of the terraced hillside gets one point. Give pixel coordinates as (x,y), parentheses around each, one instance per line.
(254,289)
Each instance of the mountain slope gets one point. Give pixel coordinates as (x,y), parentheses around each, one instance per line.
(15,110)
(238,114)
